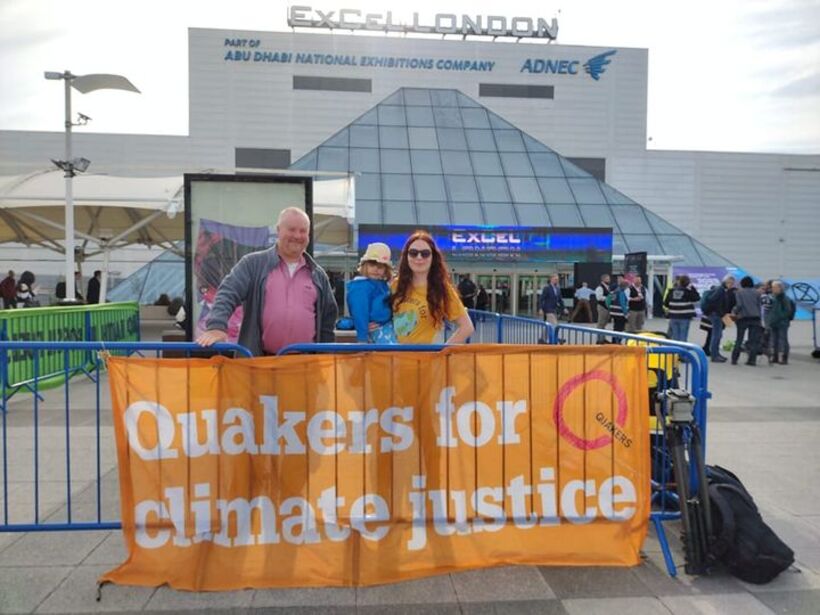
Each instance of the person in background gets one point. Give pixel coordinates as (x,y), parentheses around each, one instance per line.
(617,303)
(601,293)
(636,315)
(766,299)
(719,303)
(286,295)
(778,318)
(60,289)
(368,297)
(680,305)
(93,293)
(483,299)
(8,291)
(582,304)
(26,294)
(163,300)
(747,318)
(551,304)
(467,290)
(423,298)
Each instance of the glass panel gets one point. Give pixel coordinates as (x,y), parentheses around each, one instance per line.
(397,187)
(659,225)
(509,141)
(500,213)
(570,170)
(448,117)
(364,136)
(680,245)
(444,98)
(397,98)
(371,117)
(618,245)
(475,118)
(399,212)
(429,188)
(480,140)
(469,213)
(451,138)
(306,163)
(456,163)
(642,243)
(333,159)
(419,116)
(497,122)
(486,163)
(395,161)
(597,215)
(364,159)
(337,140)
(524,190)
(368,212)
(368,187)
(391,116)
(546,165)
(631,219)
(587,191)
(393,136)
(413,97)
(425,161)
(556,190)
(532,215)
(613,197)
(423,138)
(466,101)
(516,164)
(493,189)
(534,146)
(461,187)
(431,213)
(565,215)
(710,257)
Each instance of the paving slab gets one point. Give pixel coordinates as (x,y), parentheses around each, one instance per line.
(78,594)
(715,604)
(518,607)
(23,589)
(609,606)
(792,602)
(50,548)
(588,581)
(167,599)
(331,596)
(430,590)
(504,584)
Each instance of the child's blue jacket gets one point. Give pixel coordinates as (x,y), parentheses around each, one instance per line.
(368,301)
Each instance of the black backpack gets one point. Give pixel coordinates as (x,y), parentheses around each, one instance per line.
(743,543)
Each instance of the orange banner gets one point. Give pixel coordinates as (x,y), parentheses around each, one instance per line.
(328,470)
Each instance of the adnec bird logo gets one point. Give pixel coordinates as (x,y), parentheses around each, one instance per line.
(596,65)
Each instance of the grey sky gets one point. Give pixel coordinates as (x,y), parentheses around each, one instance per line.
(725,75)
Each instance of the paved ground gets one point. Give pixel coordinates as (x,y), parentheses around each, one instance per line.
(764,424)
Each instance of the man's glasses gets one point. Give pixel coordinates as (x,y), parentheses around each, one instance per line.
(419,253)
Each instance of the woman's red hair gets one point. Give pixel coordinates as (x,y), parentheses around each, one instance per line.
(438,299)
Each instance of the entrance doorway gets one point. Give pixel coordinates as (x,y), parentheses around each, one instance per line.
(498,287)
(529,294)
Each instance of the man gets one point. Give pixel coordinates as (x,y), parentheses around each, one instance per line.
(747,314)
(719,303)
(551,304)
(467,290)
(680,305)
(8,290)
(60,289)
(618,305)
(636,317)
(582,297)
(93,294)
(286,295)
(601,293)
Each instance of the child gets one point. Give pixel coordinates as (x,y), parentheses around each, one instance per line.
(368,296)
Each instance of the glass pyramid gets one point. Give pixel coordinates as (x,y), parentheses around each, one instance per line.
(165,274)
(437,157)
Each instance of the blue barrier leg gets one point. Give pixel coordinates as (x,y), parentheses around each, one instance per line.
(667,552)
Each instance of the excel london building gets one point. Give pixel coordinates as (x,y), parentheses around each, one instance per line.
(531,148)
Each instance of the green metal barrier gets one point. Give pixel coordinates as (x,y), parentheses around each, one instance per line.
(110,322)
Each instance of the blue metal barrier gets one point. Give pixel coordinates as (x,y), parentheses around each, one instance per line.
(494,328)
(41,417)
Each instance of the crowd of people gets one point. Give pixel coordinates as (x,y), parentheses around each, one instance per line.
(23,293)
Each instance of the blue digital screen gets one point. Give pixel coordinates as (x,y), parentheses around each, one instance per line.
(523,244)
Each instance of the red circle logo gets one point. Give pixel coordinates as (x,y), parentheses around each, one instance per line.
(567,389)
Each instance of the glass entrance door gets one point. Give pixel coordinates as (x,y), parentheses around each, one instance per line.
(499,292)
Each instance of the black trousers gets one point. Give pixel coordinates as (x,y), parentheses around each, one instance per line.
(755,331)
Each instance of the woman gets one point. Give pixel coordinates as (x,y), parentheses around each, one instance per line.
(423,297)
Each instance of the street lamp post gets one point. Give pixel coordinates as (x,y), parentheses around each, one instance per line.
(71,166)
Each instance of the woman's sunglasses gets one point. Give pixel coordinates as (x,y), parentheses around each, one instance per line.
(419,253)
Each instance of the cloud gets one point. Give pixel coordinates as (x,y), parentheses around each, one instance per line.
(807,85)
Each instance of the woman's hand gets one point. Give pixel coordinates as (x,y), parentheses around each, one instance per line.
(464,330)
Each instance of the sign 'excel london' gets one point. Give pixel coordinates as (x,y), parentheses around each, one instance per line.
(443,23)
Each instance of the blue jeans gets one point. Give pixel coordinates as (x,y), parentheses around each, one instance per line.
(717,333)
(679,329)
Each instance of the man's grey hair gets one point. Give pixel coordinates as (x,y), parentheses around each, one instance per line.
(291,210)
(778,283)
(728,277)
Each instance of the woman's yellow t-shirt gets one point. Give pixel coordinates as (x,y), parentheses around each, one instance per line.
(412,321)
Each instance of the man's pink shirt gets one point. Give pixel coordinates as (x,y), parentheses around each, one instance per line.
(289,313)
